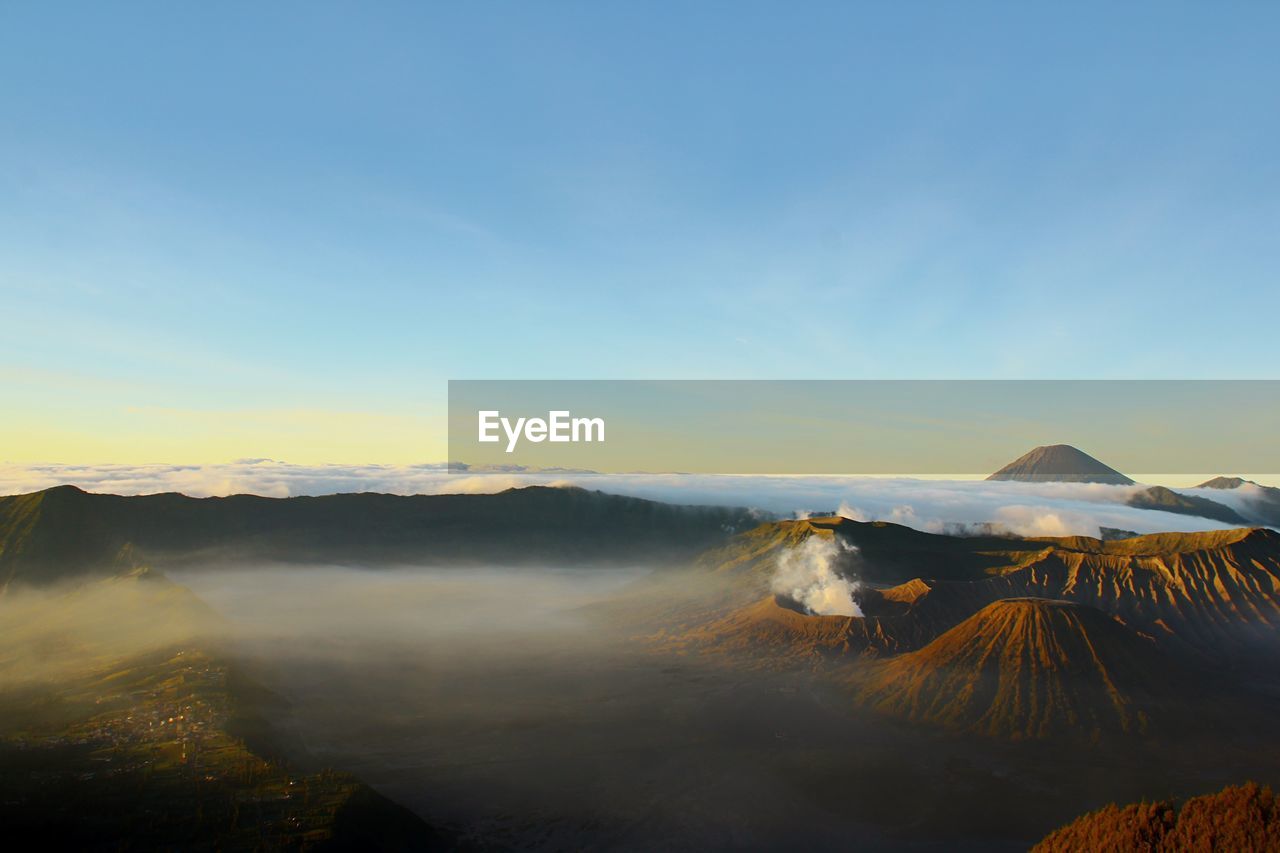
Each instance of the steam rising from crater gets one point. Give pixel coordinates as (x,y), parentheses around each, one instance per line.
(808,574)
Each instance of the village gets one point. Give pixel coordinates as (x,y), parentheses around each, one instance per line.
(152,734)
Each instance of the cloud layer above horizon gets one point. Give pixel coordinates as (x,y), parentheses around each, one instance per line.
(932,505)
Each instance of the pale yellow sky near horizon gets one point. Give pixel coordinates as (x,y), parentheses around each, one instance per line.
(130,435)
(52,422)
(60,433)
(319,438)
(135,436)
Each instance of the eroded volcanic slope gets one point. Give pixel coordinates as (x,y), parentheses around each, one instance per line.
(1212,594)
(1021,638)
(1029,668)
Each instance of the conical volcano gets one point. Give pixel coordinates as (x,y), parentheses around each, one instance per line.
(1030,668)
(1060,463)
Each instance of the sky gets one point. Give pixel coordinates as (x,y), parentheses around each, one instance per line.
(277,230)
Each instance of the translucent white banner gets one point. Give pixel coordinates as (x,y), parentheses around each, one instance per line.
(961,428)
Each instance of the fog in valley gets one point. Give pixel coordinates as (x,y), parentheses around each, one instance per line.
(537,709)
(516,705)
(525,708)
(51,634)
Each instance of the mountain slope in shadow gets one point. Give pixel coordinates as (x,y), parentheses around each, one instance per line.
(1167,500)
(64,531)
(1259,503)
(1059,463)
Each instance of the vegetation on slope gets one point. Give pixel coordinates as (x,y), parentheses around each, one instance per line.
(120,724)
(61,532)
(1242,819)
(151,750)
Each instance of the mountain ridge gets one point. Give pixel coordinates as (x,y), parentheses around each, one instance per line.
(1062,463)
(1259,503)
(1211,594)
(1164,499)
(65,531)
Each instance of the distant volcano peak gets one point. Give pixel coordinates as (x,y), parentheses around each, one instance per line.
(1060,463)
(1225,483)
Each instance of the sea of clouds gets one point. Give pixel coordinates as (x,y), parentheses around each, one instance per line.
(931,505)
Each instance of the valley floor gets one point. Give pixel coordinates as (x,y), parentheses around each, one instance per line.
(152,754)
(623,749)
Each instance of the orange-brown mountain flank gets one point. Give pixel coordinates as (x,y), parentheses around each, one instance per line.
(1217,591)
(1238,818)
(1029,668)
(738,610)
(773,631)
(1214,592)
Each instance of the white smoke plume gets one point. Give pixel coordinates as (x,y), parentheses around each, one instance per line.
(807,574)
(851,512)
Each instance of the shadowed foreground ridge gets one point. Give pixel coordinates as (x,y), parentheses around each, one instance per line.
(1029,668)
(1244,818)
(64,531)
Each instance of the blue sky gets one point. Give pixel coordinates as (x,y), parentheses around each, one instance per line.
(247,231)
